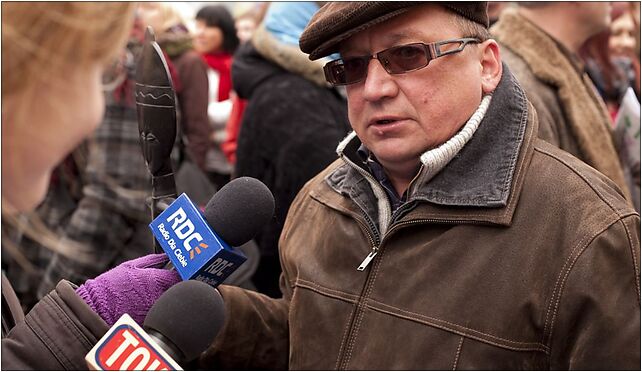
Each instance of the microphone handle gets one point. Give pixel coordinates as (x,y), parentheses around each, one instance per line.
(166,345)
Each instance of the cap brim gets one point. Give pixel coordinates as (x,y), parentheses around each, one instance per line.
(332,45)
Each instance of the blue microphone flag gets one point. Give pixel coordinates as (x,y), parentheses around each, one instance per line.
(194,249)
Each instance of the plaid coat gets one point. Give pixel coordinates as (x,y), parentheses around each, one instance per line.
(110,220)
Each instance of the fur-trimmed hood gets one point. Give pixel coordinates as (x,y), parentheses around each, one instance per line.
(265,56)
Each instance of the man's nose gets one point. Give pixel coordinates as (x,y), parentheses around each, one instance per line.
(379,83)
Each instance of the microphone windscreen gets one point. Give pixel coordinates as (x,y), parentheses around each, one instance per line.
(189,314)
(239,210)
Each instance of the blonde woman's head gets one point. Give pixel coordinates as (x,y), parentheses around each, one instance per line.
(161,16)
(54,54)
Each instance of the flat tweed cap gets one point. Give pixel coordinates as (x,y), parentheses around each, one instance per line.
(337,21)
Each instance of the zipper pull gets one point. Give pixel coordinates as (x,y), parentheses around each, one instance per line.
(368,258)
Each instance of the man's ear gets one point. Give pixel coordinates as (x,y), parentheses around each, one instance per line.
(491,65)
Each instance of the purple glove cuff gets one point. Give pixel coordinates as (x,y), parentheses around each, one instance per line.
(130,288)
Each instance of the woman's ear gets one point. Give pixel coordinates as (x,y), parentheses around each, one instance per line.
(491,65)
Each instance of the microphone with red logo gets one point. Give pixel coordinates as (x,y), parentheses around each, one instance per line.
(202,246)
(178,328)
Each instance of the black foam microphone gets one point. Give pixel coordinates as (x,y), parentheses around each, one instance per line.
(185,319)
(239,210)
(201,246)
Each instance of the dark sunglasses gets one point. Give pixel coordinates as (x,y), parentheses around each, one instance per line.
(396,60)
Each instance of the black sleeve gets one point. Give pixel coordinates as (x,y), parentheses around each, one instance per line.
(56,334)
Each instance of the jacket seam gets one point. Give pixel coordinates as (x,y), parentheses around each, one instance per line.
(346,331)
(580,175)
(567,272)
(577,250)
(353,214)
(452,327)
(523,150)
(45,340)
(34,325)
(557,289)
(511,177)
(633,255)
(302,283)
(72,326)
(461,342)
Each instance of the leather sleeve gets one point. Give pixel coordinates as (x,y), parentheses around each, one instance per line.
(254,336)
(594,317)
(56,334)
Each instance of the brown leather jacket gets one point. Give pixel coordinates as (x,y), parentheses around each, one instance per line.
(515,256)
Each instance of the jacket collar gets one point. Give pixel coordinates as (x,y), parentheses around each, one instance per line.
(483,181)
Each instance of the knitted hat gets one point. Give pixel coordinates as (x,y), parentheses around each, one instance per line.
(337,21)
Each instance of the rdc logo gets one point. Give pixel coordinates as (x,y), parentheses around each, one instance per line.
(185,231)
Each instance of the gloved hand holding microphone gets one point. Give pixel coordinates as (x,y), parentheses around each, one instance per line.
(130,288)
(234,214)
(124,295)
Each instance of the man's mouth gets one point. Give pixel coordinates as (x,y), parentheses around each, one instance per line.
(385,121)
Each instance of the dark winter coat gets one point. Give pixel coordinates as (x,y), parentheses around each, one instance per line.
(290,127)
(56,334)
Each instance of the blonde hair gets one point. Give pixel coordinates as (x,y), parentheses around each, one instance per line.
(170,16)
(43,40)
(43,43)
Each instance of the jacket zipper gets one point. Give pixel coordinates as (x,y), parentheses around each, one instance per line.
(375,248)
(371,232)
(369,229)
(380,195)
(342,363)
(438,221)
(366,261)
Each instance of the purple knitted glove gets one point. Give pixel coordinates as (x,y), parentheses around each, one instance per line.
(131,287)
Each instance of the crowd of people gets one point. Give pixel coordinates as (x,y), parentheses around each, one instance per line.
(459,179)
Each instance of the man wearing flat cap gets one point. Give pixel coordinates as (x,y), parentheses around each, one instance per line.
(446,235)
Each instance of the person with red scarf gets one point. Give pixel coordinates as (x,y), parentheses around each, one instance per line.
(216,41)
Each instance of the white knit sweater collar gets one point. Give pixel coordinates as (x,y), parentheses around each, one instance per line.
(436,159)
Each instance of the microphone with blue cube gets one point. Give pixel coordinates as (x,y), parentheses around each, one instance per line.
(203,246)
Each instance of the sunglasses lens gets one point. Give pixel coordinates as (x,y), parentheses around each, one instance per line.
(335,73)
(404,58)
(343,72)
(355,69)
(396,60)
